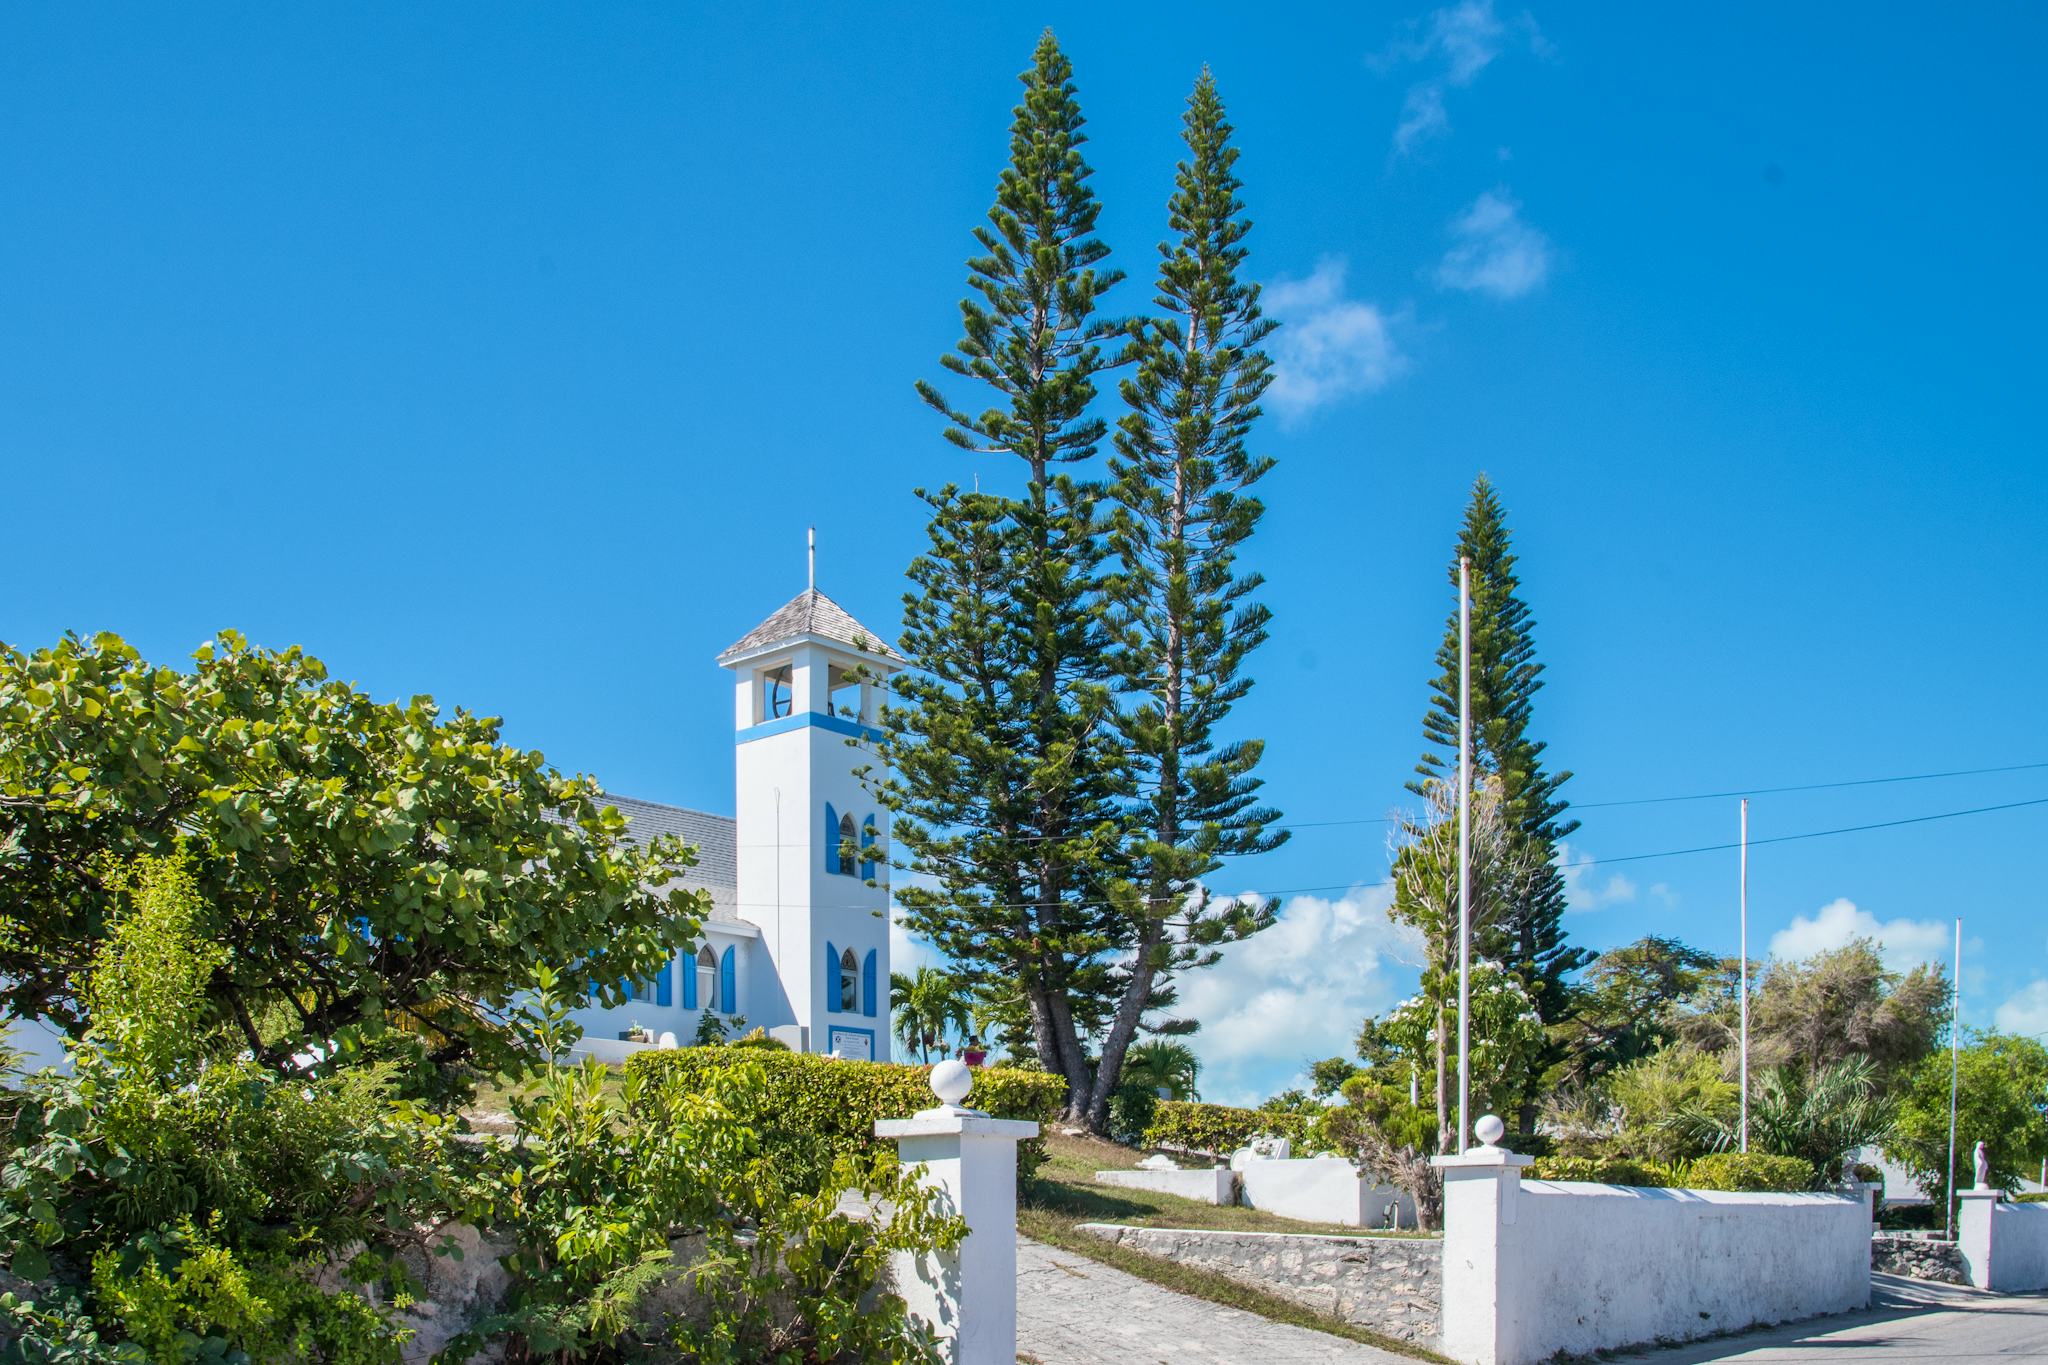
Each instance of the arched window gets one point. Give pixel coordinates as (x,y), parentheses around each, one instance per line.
(849,982)
(847,837)
(775,693)
(707,978)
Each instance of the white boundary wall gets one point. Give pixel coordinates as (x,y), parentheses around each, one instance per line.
(1323,1189)
(1535,1268)
(2004,1245)
(1217,1186)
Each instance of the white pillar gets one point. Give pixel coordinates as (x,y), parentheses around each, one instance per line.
(1482,1319)
(1978,1211)
(969,1294)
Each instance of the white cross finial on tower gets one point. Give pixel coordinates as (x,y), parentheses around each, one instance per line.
(811,538)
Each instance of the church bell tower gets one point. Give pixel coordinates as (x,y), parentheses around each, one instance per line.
(812,864)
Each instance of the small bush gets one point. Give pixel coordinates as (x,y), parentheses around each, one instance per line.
(1909,1217)
(1218,1129)
(821,1108)
(2041,1198)
(1131,1109)
(1598,1170)
(1749,1171)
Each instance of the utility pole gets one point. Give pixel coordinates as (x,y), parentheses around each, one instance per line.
(1744,899)
(1464,849)
(1955,1043)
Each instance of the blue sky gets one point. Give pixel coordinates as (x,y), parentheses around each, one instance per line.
(504,353)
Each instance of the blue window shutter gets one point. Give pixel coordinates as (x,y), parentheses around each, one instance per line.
(867,985)
(867,841)
(831,978)
(831,838)
(690,982)
(665,984)
(729,983)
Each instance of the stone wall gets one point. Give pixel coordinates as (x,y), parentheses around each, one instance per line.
(1920,1257)
(1392,1285)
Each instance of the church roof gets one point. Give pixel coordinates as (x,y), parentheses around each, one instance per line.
(810,613)
(714,837)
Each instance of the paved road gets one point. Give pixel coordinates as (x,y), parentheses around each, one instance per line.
(1908,1320)
(1074,1311)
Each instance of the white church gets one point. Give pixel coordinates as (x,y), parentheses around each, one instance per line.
(797,938)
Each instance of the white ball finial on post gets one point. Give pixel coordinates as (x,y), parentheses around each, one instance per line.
(950,1081)
(1489,1130)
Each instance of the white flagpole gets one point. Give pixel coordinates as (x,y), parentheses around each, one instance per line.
(1955,1042)
(1744,1129)
(1464,849)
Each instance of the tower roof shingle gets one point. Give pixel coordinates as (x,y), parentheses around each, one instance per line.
(810,613)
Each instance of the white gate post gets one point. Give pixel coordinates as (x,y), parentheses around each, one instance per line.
(1979,1208)
(1482,1319)
(969,1294)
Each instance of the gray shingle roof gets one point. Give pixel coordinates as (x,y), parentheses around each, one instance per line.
(810,613)
(715,838)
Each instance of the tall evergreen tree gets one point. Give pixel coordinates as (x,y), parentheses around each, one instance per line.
(1008,775)
(1505,680)
(1186,609)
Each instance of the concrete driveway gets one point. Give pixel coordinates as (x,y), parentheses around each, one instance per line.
(1908,1320)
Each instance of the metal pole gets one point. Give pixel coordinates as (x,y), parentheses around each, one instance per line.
(1744,1130)
(1955,1042)
(1464,850)
(811,553)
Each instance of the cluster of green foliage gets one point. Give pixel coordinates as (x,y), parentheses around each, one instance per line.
(1717,1171)
(172,1202)
(1062,774)
(1750,1171)
(1219,1129)
(2001,1100)
(929,1006)
(169,1203)
(817,1110)
(385,877)
(680,1180)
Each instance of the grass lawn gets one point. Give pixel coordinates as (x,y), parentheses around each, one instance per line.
(1064,1194)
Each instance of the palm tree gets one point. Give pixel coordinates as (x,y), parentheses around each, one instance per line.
(1820,1116)
(926,1005)
(1160,1064)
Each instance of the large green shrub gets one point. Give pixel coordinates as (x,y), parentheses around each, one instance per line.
(167,1202)
(1749,1171)
(681,1189)
(820,1108)
(1219,1129)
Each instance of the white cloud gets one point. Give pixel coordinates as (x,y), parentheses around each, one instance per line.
(1296,992)
(1456,42)
(1584,889)
(1494,251)
(1422,117)
(1902,942)
(1328,346)
(906,952)
(2026,1013)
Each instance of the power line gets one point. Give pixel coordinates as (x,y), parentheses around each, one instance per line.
(1584,862)
(1606,805)
(1808,787)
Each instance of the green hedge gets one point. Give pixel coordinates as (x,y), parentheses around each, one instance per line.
(1218,1129)
(1722,1171)
(1598,1170)
(823,1105)
(1750,1171)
